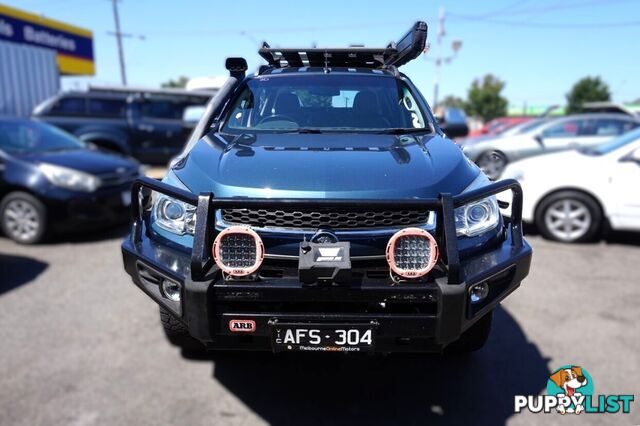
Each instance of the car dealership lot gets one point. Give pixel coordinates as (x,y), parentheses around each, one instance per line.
(81,345)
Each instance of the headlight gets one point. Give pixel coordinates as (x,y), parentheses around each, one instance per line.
(173,215)
(72,179)
(479,216)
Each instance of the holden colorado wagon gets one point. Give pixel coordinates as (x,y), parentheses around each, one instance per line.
(318,207)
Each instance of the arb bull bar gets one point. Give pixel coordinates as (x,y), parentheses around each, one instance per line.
(502,266)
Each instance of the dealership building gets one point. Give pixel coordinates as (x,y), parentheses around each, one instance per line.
(34,53)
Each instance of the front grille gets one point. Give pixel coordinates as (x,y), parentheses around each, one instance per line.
(324,219)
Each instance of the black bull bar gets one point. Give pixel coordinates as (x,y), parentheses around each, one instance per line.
(444,206)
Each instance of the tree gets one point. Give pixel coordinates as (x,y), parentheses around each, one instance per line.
(588,89)
(484,99)
(180,83)
(451,101)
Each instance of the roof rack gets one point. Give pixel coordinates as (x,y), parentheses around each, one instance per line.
(406,49)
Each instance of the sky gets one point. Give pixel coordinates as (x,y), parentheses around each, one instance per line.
(538,47)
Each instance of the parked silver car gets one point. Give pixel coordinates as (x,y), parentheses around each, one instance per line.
(492,154)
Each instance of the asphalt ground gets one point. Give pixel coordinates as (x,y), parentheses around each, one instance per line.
(80,345)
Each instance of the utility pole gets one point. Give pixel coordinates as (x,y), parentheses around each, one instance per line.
(456,45)
(118,34)
(440,34)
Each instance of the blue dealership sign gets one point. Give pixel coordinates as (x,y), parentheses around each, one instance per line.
(73,45)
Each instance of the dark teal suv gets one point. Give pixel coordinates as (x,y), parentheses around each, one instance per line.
(318,207)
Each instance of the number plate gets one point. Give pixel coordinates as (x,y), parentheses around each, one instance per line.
(323,337)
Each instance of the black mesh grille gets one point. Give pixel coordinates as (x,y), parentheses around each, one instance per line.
(321,219)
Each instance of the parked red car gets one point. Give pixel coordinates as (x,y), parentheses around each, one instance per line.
(498,125)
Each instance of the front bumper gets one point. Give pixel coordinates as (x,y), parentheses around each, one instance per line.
(71,210)
(408,316)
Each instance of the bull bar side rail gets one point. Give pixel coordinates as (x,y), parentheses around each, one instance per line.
(206,204)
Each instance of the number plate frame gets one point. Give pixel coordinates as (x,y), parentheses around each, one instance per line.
(328,334)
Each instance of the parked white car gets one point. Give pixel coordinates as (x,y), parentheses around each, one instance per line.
(571,195)
(492,154)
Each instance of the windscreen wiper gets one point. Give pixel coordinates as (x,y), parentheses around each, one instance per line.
(403,130)
(308,130)
(303,130)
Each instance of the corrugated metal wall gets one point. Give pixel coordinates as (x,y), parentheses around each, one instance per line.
(28,75)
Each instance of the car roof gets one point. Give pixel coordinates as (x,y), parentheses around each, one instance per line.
(93,95)
(597,115)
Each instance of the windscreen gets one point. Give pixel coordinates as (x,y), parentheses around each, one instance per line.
(324,102)
(525,127)
(18,137)
(616,143)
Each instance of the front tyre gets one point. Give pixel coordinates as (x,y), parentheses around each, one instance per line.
(473,339)
(23,218)
(569,217)
(178,335)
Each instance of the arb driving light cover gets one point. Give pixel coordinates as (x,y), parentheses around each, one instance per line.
(412,252)
(238,251)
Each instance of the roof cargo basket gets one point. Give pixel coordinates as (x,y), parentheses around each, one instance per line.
(406,49)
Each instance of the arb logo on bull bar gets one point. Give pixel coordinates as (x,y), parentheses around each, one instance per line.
(570,391)
(242,326)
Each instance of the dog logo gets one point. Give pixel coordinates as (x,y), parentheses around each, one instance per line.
(242,326)
(570,379)
(570,391)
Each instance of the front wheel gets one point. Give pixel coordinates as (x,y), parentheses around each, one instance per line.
(178,335)
(474,338)
(23,218)
(569,217)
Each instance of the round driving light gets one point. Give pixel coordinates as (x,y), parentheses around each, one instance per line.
(478,292)
(238,251)
(173,210)
(412,252)
(171,290)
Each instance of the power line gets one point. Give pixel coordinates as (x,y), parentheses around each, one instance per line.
(564,5)
(503,9)
(489,17)
(565,25)
(272,30)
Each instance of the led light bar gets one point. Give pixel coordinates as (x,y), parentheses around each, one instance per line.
(238,251)
(412,252)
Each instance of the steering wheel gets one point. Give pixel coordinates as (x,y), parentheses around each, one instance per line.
(277,117)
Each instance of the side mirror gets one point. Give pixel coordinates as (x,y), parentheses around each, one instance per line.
(539,139)
(634,156)
(455,130)
(454,123)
